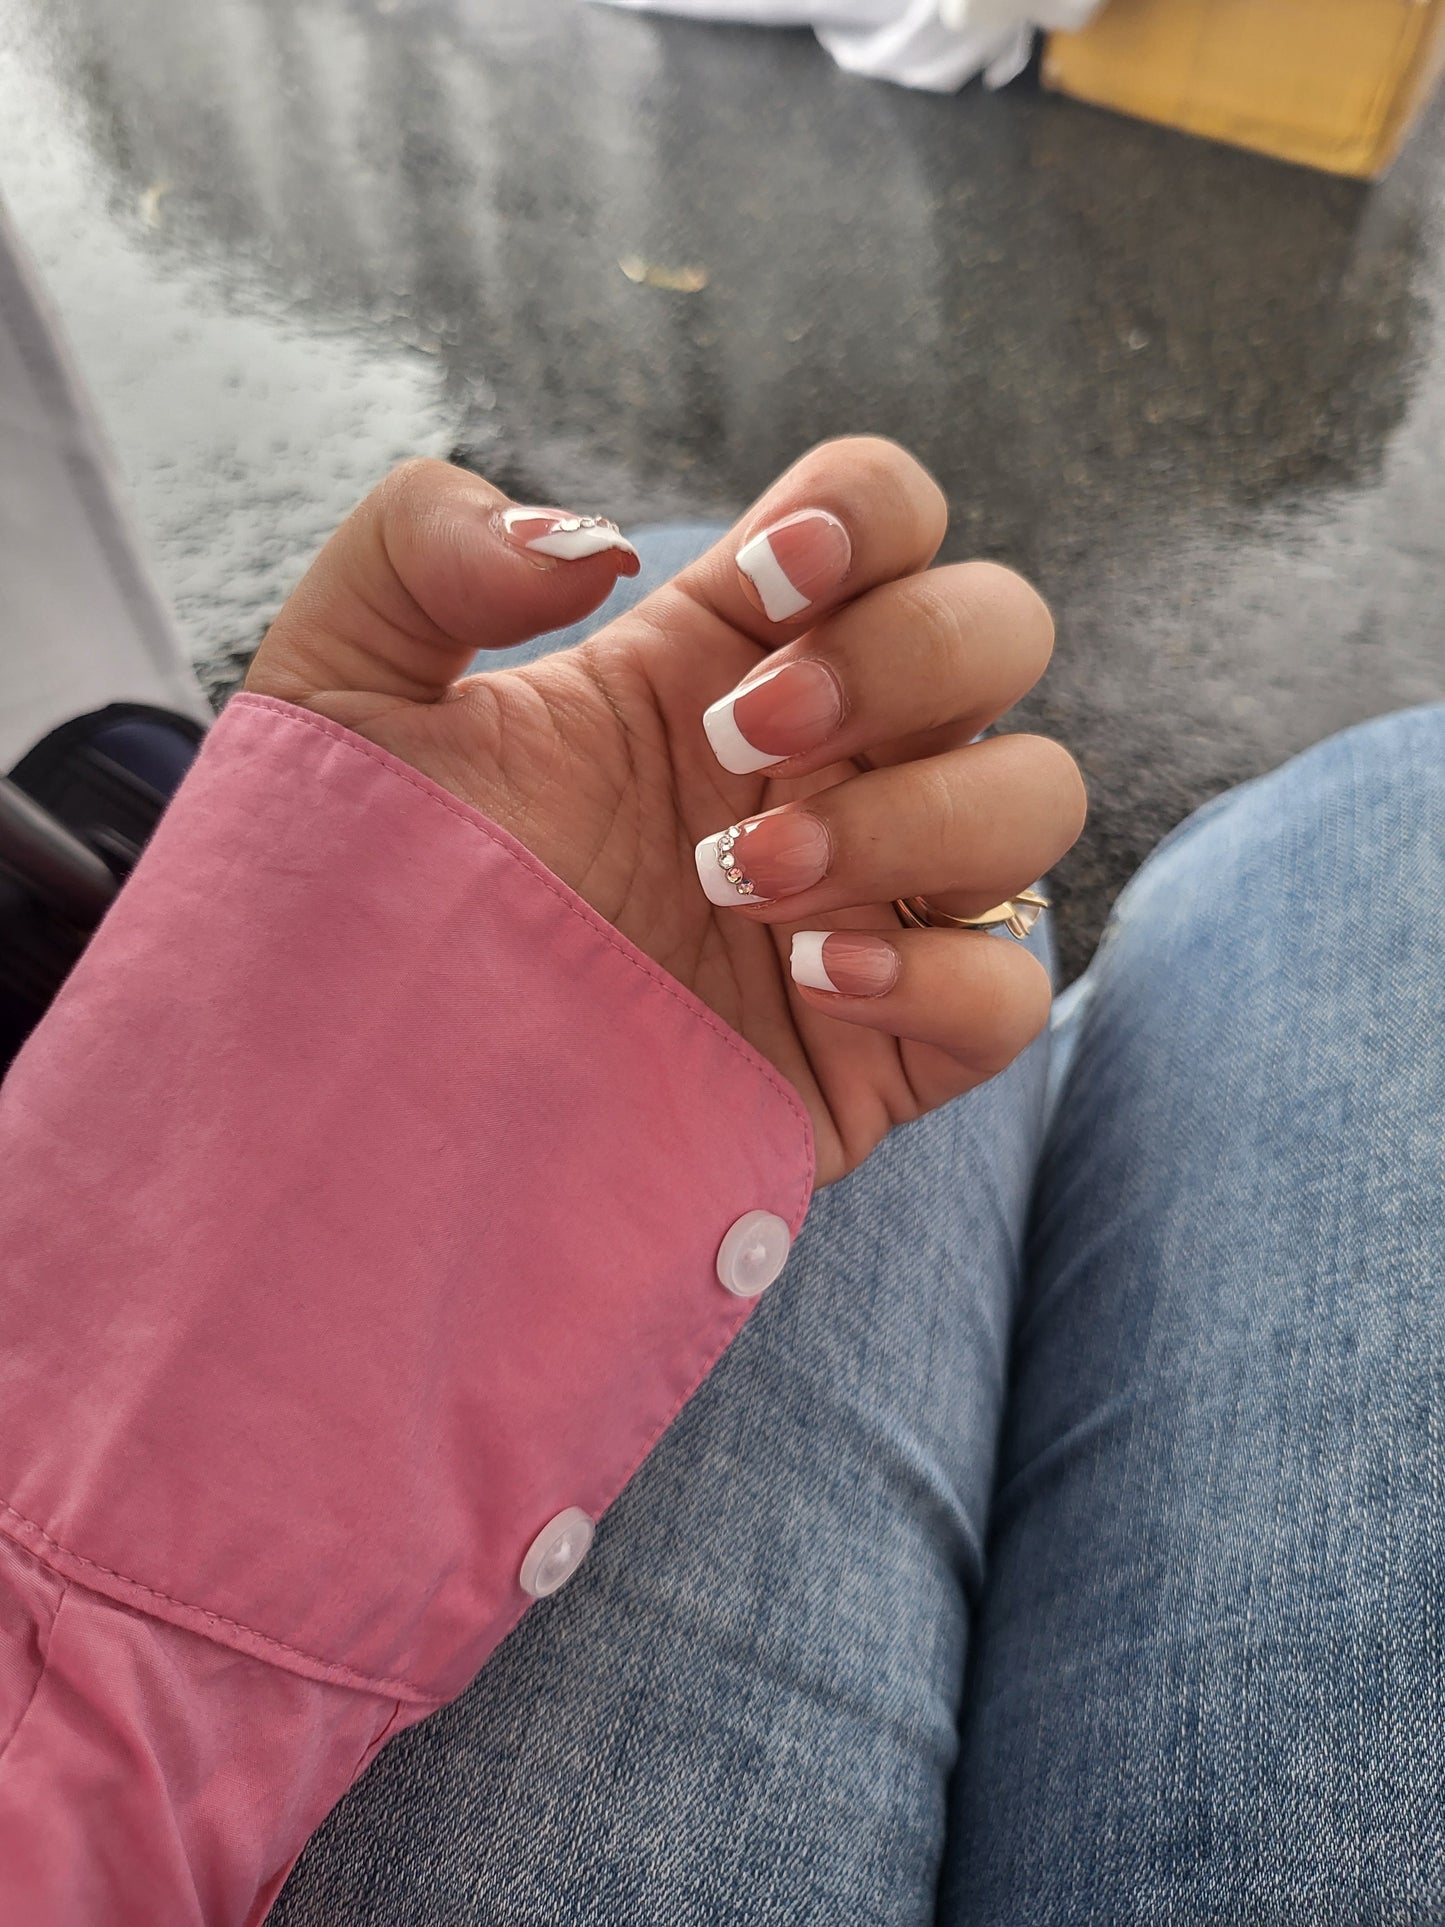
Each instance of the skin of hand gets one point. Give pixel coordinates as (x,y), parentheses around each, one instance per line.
(597,759)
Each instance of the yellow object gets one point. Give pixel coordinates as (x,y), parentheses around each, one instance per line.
(1329,83)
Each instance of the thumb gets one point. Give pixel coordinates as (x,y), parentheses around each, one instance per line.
(432,566)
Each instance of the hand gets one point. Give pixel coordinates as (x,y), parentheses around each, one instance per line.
(597,758)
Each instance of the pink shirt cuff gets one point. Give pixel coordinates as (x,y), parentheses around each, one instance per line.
(363,1198)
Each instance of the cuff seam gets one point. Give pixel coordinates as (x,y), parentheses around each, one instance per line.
(127,1592)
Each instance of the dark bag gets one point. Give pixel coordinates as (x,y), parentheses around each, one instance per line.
(75,814)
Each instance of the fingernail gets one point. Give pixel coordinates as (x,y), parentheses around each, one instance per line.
(846,961)
(774,716)
(795,563)
(764,857)
(553,532)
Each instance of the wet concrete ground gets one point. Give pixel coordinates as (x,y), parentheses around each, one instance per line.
(1199,396)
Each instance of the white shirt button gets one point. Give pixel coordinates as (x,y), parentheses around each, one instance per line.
(753,1253)
(556,1552)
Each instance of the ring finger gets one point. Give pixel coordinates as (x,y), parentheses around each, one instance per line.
(978,823)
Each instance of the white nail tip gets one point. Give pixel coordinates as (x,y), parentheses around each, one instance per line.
(732,749)
(762,568)
(806,961)
(571,539)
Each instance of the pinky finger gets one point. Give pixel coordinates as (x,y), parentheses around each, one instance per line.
(976,998)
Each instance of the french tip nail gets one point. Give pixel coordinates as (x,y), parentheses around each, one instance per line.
(792,564)
(568,538)
(862,965)
(764,858)
(737,755)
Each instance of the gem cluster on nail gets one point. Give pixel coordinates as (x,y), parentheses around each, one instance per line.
(729,863)
(572,524)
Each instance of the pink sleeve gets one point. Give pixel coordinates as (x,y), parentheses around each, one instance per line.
(362,1206)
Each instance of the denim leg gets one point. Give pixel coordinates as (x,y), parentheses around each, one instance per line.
(742,1709)
(1206,1682)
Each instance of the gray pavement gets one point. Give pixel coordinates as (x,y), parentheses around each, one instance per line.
(1199,396)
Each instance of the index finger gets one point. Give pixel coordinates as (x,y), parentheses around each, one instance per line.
(846,517)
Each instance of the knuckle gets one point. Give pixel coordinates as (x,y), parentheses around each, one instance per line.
(1030,1000)
(1004,600)
(948,802)
(1054,772)
(937,604)
(1010,1007)
(405,502)
(414,514)
(1073,792)
(411,484)
(885,472)
(979,610)
(944,796)
(873,458)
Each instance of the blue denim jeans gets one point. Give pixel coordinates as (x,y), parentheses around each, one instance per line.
(1061,1541)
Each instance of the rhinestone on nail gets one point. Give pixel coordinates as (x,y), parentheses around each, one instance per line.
(570,524)
(728,860)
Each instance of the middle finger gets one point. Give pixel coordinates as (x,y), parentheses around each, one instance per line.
(938,656)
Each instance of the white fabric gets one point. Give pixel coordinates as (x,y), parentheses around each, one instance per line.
(937,45)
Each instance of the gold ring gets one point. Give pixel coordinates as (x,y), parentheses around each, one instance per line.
(1018,916)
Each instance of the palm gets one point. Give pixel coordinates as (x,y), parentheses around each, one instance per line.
(594,759)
